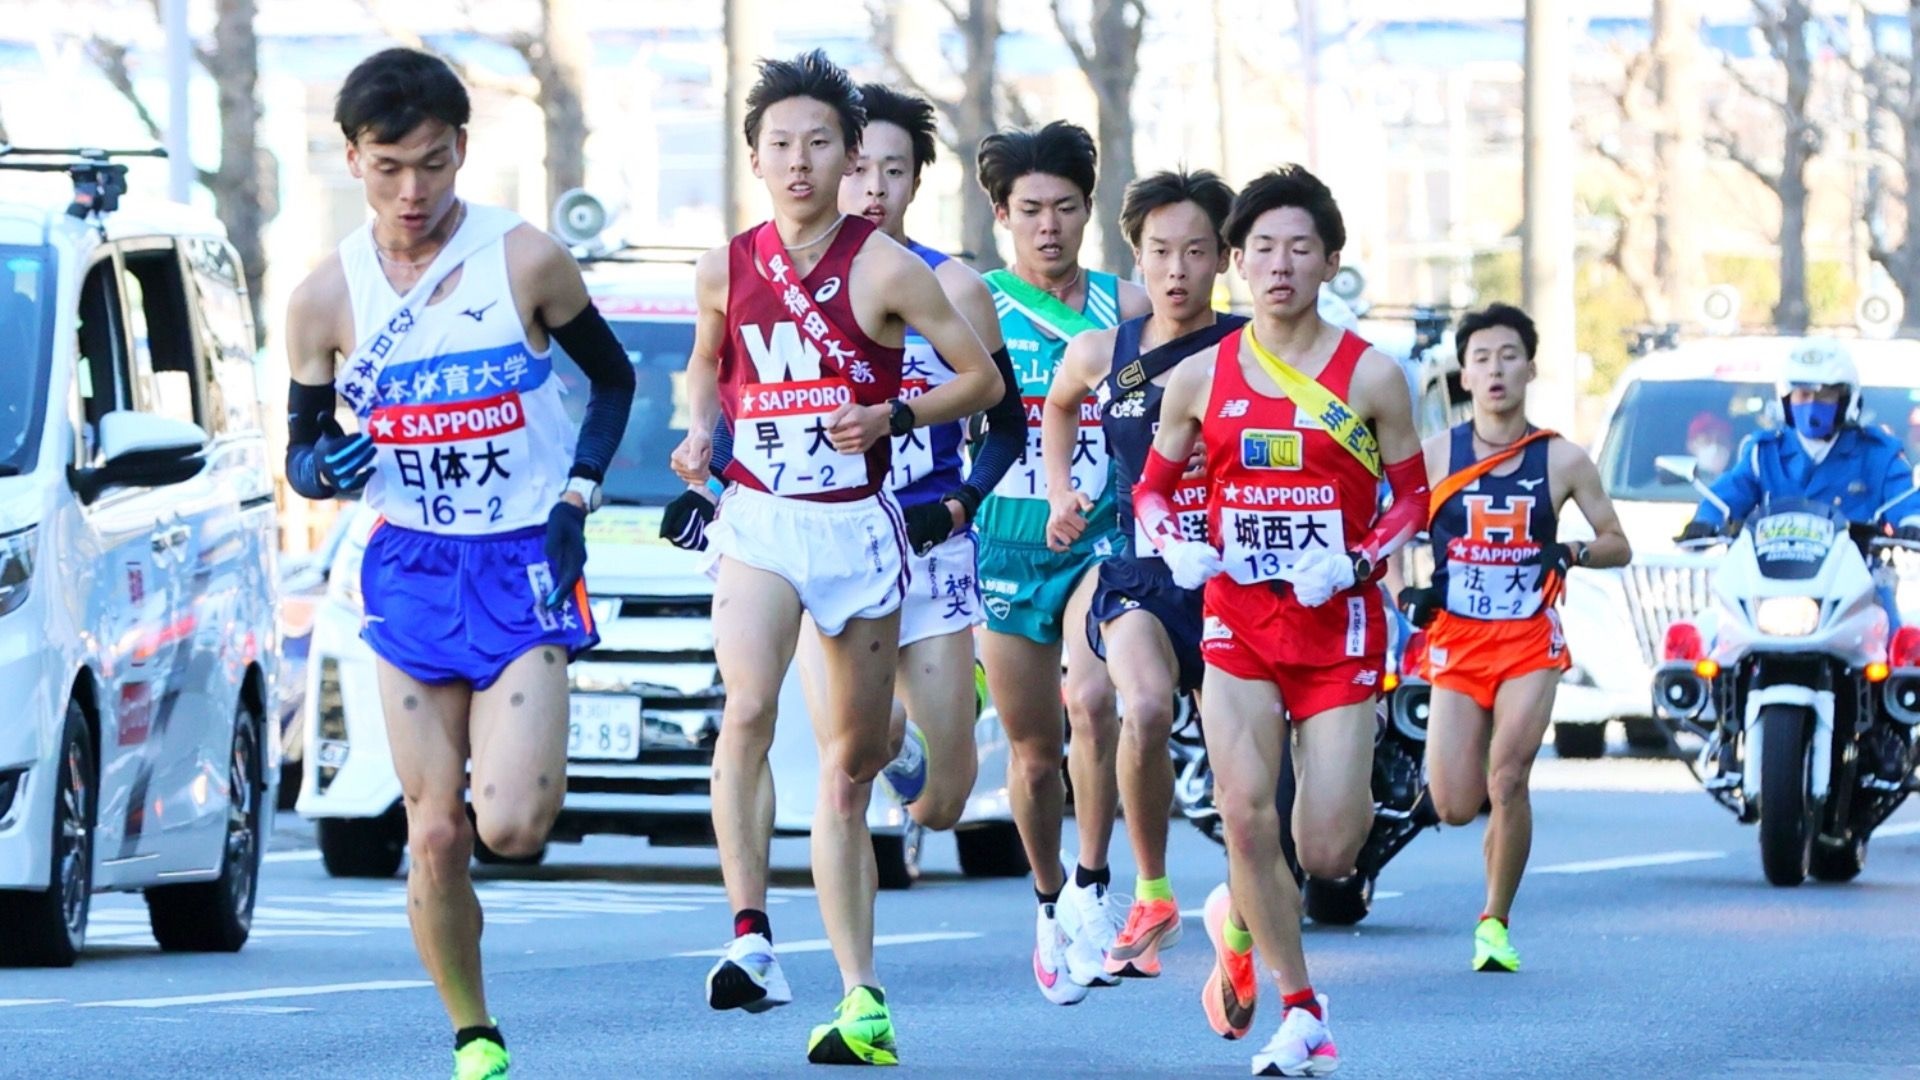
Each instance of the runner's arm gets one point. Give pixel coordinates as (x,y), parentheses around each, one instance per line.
(693,460)
(1172,447)
(920,302)
(572,320)
(1379,383)
(1073,379)
(1006,437)
(321,460)
(1609,546)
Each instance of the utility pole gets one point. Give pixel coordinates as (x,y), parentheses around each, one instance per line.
(1310,74)
(748,37)
(1547,246)
(180,171)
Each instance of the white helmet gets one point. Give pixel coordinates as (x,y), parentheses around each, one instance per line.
(1818,362)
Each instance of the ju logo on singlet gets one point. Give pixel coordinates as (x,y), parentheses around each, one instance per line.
(1493,571)
(781,430)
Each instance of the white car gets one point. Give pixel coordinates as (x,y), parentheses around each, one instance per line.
(646,702)
(1616,619)
(138,645)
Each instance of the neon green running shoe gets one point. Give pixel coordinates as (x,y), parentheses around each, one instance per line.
(481,1059)
(1491,949)
(861,1033)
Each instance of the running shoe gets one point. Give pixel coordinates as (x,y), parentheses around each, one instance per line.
(748,977)
(1092,919)
(1492,951)
(1231,992)
(861,1033)
(481,1059)
(1302,1047)
(907,773)
(1050,960)
(1152,925)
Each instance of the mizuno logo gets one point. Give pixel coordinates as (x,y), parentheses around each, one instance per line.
(1530,484)
(479,314)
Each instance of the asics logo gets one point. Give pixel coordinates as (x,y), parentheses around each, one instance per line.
(828,290)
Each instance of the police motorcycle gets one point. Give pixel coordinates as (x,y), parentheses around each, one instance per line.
(1795,685)
(1399,779)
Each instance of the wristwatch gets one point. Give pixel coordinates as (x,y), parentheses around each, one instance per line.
(588,490)
(1585,550)
(902,419)
(1362,567)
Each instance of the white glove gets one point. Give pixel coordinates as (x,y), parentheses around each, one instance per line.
(1319,575)
(1192,562)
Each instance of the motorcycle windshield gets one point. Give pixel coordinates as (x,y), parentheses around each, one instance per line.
(1791,539)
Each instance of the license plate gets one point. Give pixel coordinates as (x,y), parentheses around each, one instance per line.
(603,727)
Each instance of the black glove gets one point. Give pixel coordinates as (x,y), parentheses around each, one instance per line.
(928,524)
(1698,530)
(344,462)
(1419,605)
(1558,558)
(1909,533)
(684,522)
(566,551)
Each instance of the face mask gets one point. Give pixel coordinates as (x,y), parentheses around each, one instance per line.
(1711,456)
(1816,419)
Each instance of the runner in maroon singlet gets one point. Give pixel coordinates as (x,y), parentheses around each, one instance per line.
(799,345)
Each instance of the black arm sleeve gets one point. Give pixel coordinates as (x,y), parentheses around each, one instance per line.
(590,342)
(1005,441)
(309,414)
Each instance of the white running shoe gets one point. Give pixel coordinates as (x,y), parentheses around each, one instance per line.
(1093,918)
(1302,1047)
(748,977)
(1050,960)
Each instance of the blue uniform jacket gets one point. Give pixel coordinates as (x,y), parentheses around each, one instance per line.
(1866,475)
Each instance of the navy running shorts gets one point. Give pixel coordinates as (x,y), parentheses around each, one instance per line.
(1128,583)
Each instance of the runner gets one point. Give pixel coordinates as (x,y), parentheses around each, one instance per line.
(1295,621)
(434,326)
(799,347)
(1041,185)
(1145,626)
(1495,650)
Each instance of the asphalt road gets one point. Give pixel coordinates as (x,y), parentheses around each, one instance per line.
(1652,945)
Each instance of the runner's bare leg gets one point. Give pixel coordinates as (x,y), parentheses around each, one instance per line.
(1141,659)
(1522,708)
(1023,676)
(756,621)
(1094,716)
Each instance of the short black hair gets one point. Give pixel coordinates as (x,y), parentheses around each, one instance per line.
(1202,187)
(1491,316)
(1288,185)
(1059,149)
(909,112)
(396,90)
(809,75)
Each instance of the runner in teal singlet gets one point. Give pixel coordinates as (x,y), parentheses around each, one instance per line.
(1041,185)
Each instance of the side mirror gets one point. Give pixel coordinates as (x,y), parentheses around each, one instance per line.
(142,450)
(1679,467)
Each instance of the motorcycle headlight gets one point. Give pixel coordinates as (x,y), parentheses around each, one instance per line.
(1787,616)
(16,569)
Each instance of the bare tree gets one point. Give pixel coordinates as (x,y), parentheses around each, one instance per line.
(246,185)
(971,115)
(1783,24)
(1891,89)
(1111,62)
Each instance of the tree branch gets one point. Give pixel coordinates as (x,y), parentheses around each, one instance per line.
(472,76)
(959,17)
(111,58)
(1072,39)
(1017,112)
(1748,86)
(883,37)
(1727,145)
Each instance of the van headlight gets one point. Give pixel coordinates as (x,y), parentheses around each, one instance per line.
(1787,616)
(16,568)
(343,579)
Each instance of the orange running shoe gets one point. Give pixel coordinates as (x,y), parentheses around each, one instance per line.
(1152,925)
(1231,992)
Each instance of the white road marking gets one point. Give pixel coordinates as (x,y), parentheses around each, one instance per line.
(262,1010)
(255,995)
(823,945)
(290,856)
(1629,862)
(10,1003)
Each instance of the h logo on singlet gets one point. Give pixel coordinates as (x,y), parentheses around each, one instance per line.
(782,357)
(1514,524)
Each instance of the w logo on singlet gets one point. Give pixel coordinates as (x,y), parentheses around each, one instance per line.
(783,357)
(1512,525)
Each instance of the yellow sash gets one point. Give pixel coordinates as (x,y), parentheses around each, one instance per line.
(1333,414)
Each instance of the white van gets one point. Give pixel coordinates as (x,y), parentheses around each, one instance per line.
(138,645)
(1616,619)
(647,701)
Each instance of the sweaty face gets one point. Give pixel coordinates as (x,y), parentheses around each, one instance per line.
(1047,216)
(1285,262)
(410,182)
(801,154)
(882,183)
(1495,370)
(1180,256)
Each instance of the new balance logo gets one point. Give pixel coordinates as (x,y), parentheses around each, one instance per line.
(1365,678)
(480,314)
(1235,409)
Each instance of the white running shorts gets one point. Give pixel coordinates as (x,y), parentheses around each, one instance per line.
(847,560)
(943,593)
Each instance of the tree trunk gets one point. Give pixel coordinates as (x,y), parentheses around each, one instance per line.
(745,33)
(1903,264)
(981,29)
(1679,161)
(1791,314)
(558,60)
(246,183)
(1116,50)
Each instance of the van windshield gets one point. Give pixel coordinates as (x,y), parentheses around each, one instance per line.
(26,331)
(640,473)
(1708,418)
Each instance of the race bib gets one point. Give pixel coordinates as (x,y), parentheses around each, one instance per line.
(1189,509)
(450,465)
(1028,477)
(1258,544)
(780,436)
(1487,588)
(912,452)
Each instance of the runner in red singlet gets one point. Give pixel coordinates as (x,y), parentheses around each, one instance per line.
(1294,622)
(801,325)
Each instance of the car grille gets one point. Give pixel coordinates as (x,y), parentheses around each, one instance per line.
(661,649)
(1661,590)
